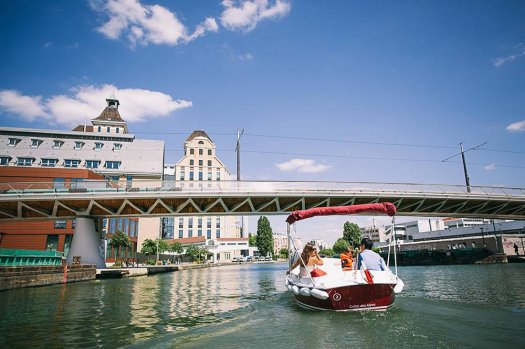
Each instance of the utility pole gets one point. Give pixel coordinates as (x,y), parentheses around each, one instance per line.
(462,153)
(238,150)
(467,180)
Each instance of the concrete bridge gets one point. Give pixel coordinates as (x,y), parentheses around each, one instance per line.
(37,201)
(88,200)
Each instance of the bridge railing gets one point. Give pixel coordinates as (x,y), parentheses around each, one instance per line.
(246,187)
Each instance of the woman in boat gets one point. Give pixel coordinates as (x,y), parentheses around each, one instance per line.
(347,259)
(310,257)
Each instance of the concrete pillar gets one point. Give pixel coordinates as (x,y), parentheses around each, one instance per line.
(86,243)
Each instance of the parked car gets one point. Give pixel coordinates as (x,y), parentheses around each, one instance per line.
(249,259)
(242,259)
(268,258)
(235,260)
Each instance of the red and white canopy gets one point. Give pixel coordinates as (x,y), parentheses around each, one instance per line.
(387,208)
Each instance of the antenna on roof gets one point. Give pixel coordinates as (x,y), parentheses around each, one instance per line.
(85,123)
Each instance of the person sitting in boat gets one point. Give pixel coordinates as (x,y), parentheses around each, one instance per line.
(370,259)
(347,259)
(310,257)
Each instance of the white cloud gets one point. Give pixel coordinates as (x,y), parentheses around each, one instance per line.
(302,166)
(490,167)
(245,14)
(516,126)
(89,101)
(28,107)
(145,24)
(246,57)
(498,62)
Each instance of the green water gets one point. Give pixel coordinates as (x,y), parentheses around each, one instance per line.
(246,306)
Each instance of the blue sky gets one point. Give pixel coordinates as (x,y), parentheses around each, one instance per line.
(325,90)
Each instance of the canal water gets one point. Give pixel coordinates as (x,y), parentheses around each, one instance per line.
(246,306)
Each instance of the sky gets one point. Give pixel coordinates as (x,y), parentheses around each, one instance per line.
(359,91)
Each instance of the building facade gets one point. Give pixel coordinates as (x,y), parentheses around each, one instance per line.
(201,168)
(105,149)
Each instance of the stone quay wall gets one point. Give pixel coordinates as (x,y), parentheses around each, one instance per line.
(29,276)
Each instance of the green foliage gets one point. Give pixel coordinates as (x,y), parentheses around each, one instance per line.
(327,252)
(264,238)
(151,262)
(118,241)
(352,233)
(176,247)
(376,249)
(283,252)
(340,245)
(149,247)
(197,252)
(252,240)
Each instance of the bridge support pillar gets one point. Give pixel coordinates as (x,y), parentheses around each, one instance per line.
(86,244)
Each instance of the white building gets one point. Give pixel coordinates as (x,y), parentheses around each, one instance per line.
(279,241)
(374,233)
(200,168)
(464,222)
(319,244)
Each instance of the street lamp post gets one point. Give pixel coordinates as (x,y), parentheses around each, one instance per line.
(482,236)
(240,132)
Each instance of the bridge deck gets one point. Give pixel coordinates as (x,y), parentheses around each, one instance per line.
(155,198)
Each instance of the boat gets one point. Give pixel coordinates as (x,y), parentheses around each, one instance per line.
(338,289)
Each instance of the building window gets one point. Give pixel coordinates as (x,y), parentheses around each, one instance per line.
(209,163)
(192,151)
(191,162)
(218,175)
(200,162)
(98,146)
(118,129)
(13,142)
(67,244)
(181,233)
(190,233)
(4,160)
(35,143)
(208,234)
(201,151)
(112,225)
(218,234)
(201,142)
(99,129)
(52,243)
(181,223)
(209,176)
(199,223)
(199,232)
(208,222)
(191,175)
(117,146)
(190,223)
(92,163)
(59,183)
(218,223)
(182,175)
(200,175)
(57,144)
(71,163)
(75,183)
(112,164)
(73,223)
(78,145)
(209,152)
(25,161)
(49,162)
(60,224)
(108,129)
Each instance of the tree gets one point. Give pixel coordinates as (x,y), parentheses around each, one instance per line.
(352,233)
(328,252)
(149,247)
(340,245)
(252,240)
(176,247)
(195,252)
(119,240)
(264,238)
(283,252)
